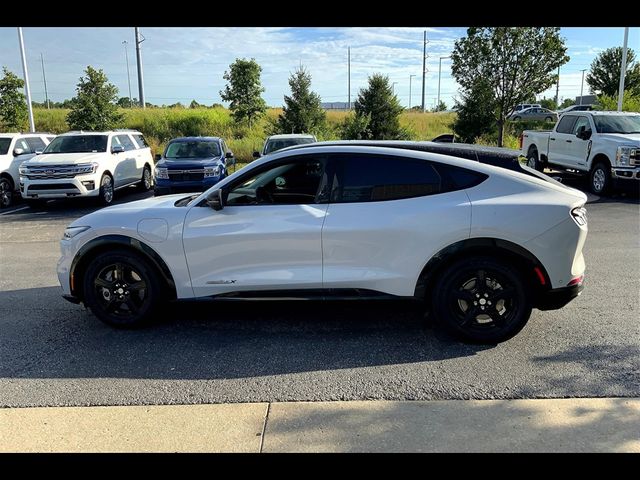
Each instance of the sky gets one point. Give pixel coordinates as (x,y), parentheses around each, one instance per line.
(184,64)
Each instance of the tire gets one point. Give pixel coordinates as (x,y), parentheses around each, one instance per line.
(106,189)
(122,289)
(6,192)
(600,178)
(481,322)
(534,162)
(516,118)
(145,182)
(548,119)
(35,203)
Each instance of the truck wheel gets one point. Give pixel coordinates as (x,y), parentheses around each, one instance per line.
(106,189)
(534,162)
(6,193)
(600,178)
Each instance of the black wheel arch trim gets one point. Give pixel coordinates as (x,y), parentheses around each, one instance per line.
(139,247)
(480,246)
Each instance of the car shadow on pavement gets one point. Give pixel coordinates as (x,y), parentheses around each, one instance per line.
(50,338)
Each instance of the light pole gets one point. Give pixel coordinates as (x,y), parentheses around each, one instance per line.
(623,69)
(126,56)
(582,85)
(143,104)
(393,88)
(410,76)
(27,90)
(439,72)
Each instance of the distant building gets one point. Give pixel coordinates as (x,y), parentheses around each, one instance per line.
(335,105)
(586,100)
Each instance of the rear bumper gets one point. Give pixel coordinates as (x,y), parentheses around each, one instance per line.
(558,297)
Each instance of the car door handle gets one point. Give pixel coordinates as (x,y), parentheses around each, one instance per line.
(552,139)
(569,141)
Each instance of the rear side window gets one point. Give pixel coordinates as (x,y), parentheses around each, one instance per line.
(374,178)
(566,124)
(125,141)
(142,143)
(35,143)
(457,178)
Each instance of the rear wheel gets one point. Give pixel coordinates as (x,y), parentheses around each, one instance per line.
(481,300)
(106,189)
(548,119)
(516,118)
(6,192)
(600,178)
(145,183)
(534,162)
(122,289)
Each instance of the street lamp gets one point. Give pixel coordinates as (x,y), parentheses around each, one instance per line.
(581,85)
(439,72)
(410,76)
(126,56)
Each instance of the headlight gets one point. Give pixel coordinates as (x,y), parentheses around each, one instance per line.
(212,171)
(23,170)
(71,232)
(162,173)
(86,168)
(623,154)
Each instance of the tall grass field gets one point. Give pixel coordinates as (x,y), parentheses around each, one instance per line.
(159,125)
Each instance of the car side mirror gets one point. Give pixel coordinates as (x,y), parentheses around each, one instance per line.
(583,133)
(256,154)
(18,151)
(229,154)
(215,199)
(117,149)
(158,157)
(38,152)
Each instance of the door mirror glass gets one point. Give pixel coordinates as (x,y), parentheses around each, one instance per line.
(117,149)
(215,199)
(256,154)
(18,151)
(229,154)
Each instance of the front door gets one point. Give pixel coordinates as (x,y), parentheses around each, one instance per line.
(578,149)
(267,236)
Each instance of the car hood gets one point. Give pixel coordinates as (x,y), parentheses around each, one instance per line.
(623,137)
(186,164)
(65,158)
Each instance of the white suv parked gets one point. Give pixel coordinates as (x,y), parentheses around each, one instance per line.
(88,164)
(480,245)
(16,148)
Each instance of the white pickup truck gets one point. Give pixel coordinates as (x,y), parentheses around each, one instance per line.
(604,145)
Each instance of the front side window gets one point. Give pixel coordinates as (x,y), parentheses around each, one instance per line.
(624,124)
(125,141)
(35,143)
(22,143)
(292,183)
(566,124)
(78,144)
(373,178)
(192,149)
(581,122)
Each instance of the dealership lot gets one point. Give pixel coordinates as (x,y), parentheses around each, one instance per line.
(54,353)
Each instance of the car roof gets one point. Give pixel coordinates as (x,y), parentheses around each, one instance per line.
(290,135)
(17,134)
(610,112)
(108,132)
(195,139)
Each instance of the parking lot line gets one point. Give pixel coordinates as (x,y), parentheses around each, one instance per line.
(13,211)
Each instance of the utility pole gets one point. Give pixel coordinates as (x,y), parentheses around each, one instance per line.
(393,88)
(410,76)
(557,87)
(623,69)
(439,72)
(126,57)
(349,75)
(139,58)
(582,85)
(26,80)
(424,66)
(44,77)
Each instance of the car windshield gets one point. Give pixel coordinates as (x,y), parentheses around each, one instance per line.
(617,123)
(194,149)
(4,145)
(280,143)
(78,144)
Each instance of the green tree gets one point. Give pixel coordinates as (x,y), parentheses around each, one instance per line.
(94,106)
(516,62)
(377,113)
(567,102)
(124,102)
(604,76)
(195,104)
(13,106)
(630,102)
(476,112)
(244,90)
(440,107)
(549,103)
(302,112)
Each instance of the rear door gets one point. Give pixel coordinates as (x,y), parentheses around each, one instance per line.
(128,162)
(388,215)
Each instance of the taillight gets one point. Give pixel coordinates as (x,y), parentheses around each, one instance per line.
(579,215)
(521,139)
(576,281)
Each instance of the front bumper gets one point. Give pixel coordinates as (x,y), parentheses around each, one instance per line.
(78,186)
(625,173)
(558,297)
(168,187)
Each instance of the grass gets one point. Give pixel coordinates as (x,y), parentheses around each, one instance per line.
(159,125)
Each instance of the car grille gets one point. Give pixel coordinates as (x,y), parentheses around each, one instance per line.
(634,158)
(186,175)
(51,172)
(53,186)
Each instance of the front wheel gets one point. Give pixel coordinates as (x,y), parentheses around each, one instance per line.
(6,193)
(106,189)
(121,289)
(600,178)
(481,300)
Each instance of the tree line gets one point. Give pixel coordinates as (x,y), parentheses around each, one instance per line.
(496,68)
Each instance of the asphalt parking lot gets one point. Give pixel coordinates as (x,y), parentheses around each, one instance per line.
(54,353)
